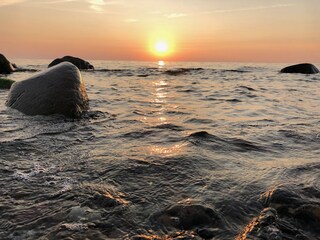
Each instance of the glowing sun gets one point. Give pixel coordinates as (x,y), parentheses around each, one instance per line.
(161,48)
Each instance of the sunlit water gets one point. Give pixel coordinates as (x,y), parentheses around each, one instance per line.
(208,136)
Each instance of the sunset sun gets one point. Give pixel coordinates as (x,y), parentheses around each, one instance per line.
(161,48)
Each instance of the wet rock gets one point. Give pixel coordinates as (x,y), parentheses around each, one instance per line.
(5,66)
(77,214)
(291,212)
(58,90)
(187,217)
(5,83)
(105,200)
(206,233)
(269,226)
(305,68)
(80,63)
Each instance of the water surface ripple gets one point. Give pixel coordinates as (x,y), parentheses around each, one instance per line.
(187,151)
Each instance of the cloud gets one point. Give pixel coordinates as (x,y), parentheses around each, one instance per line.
(250,8)
(176,15)
(97,5)
(10,2)
(97,8)
(97,2)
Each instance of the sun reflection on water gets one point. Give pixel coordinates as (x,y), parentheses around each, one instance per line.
(167,150)
(161,64)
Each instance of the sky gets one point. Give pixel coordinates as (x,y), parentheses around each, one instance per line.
(194,30)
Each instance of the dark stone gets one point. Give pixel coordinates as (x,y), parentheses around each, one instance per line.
(206,233)
(269,226)
(187,217)
(5,66)
(305,68)
(291,212)
(58,90)
(78,62)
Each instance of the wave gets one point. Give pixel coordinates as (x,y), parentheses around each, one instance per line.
(204,139)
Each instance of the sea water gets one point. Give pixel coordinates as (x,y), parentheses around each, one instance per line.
(193,150)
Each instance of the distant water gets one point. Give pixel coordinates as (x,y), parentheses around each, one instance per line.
(183,151)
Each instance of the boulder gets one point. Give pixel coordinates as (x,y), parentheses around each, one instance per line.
(58,90)
(80,63)
(305,68)
(5,66)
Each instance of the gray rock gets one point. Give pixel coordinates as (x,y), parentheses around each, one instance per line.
(58,90)
(78,62)
(5,66)
(305,68)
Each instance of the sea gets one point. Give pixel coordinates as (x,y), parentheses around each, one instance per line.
(166,150)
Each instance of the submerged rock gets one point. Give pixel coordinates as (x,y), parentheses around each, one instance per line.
(58,90)
(269,226)
(5,66)
(187,217)
(290,213)
(80,63)
(305,68)
(5,83)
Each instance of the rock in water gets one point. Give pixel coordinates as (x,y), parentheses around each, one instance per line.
(5,66)
(58,90)
(5,83)
(80,63)
(305,68)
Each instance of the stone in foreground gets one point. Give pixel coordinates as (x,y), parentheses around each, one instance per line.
(305,68)
(80,63)
(58,90)
(5,66)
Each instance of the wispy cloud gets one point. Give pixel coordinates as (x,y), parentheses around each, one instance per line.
(250,8)
(175,15)
(10,2)
(98,5)
(97,8)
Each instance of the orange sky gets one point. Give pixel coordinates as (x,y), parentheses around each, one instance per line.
(196,30)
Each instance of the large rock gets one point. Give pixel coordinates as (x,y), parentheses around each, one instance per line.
(80,63)
(58,90)
(305,68)
(5,66)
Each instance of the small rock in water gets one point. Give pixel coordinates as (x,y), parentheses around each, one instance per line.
(78,62)
(5,83)
(305,68)
(5,66)
(187,217)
